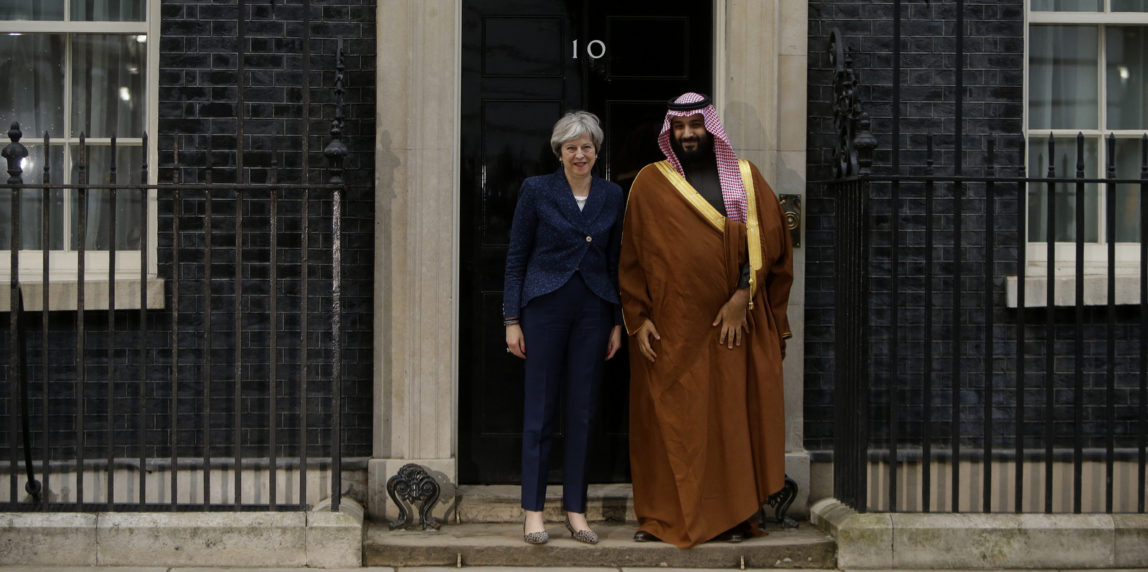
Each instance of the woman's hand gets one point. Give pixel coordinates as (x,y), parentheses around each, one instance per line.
(645,345)
(731,318)
(615,342)
(515,341)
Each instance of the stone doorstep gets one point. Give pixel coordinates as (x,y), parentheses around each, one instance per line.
(976,541)
(502,503)
(500,544)
(317,539)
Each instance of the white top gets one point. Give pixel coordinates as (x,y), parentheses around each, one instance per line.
(581,201)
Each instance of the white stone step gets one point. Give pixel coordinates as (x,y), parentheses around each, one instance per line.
(500,544)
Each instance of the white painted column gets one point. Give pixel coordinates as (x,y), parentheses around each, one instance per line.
(416,237)
(761,62)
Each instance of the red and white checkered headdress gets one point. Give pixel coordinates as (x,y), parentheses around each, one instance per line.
(732,187)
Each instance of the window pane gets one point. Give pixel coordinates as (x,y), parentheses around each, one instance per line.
(1127,71)
(33,90)
(109,10)
(127,204)
(31,10)
(1064,194)
(1130,5)
(32,204)
(1067,5)
(1128,196)
(108,85)
(1063,92)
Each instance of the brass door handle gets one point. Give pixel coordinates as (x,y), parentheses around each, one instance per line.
(791,206)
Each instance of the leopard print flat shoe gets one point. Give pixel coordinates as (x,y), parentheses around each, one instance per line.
(534,537)
(586,536)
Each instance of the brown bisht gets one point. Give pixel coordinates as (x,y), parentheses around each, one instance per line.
(707,423)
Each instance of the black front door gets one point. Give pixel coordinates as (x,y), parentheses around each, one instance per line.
(524,64)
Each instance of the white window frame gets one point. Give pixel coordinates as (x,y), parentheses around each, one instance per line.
(64,264)
(1127,263)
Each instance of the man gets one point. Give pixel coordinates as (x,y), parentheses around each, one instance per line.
(705,271)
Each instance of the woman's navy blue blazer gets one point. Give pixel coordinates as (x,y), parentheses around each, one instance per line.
(550,240)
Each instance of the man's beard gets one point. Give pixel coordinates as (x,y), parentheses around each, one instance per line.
(703,152)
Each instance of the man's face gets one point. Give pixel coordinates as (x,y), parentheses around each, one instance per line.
(690,136)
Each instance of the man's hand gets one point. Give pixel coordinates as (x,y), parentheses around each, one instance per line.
(515,341)
(645,345)
(615,342)
(731,318)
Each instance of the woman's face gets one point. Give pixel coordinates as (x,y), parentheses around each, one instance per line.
(578,156)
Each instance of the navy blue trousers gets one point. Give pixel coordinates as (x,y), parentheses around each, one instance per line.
(566,334)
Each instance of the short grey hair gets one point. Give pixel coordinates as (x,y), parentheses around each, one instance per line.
(574,125)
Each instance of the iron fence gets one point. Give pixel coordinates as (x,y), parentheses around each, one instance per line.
(233,322)
(969,377)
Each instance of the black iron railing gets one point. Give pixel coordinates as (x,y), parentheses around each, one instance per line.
(953,389)
(245,340)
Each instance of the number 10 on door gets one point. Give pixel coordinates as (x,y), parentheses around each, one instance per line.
(594,49)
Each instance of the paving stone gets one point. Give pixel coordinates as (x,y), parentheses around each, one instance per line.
(225,569)
(85,569)
(504,569)
(241,569)
(712,569)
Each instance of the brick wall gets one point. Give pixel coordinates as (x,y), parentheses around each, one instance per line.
(199,104)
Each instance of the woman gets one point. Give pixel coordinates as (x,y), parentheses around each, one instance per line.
(561,294)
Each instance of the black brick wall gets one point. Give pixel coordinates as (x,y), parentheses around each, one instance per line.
(993,79)
(199,99)
(200,84)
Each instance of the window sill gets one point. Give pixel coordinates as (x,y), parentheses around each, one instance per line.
(62,295)
(1095,288)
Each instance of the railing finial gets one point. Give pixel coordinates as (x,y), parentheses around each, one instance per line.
(15,152)
(854,145)
(863,144)
(336,150)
